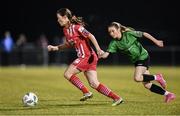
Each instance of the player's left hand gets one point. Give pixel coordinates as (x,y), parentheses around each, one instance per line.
(100,52)
(159,43)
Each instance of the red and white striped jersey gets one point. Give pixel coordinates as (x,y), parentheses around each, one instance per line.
(77,37)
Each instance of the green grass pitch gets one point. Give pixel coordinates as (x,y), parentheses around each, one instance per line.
(58,97)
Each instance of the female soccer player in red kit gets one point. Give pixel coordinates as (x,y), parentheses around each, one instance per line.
(78,37)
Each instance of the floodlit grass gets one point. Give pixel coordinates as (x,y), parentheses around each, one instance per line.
(58,97)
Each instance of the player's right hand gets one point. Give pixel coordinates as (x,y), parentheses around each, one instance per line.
(52,48)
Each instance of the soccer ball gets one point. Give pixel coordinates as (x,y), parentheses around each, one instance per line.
(30,99)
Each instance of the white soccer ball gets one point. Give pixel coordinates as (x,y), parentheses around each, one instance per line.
(30,99)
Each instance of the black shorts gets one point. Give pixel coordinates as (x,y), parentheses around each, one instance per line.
(144,63)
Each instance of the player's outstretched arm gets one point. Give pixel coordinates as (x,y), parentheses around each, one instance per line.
(95,43)
(159,43)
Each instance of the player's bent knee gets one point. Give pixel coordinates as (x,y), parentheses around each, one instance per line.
(147,85)
(94,85)
(136,79)
(67,75)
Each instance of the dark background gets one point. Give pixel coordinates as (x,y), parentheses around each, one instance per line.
(34,17)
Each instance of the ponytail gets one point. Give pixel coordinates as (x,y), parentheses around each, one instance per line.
(77,20)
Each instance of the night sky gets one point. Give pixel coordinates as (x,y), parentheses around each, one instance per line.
(33,17)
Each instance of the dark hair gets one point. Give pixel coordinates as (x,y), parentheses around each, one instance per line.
(72,18)
(118,25)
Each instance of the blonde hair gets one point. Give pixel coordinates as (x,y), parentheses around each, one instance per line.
(121,27)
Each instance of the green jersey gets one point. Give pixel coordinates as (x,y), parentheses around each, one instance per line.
(129,45)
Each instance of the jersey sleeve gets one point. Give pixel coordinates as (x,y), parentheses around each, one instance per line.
(83,31)
(138,34)
(112,48)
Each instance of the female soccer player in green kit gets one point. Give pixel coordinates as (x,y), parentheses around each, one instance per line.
(125,40)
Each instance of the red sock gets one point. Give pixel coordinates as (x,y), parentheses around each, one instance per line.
(113,96)
(77,82)
(107,92)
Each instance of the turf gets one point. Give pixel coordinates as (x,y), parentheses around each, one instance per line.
(58,97)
